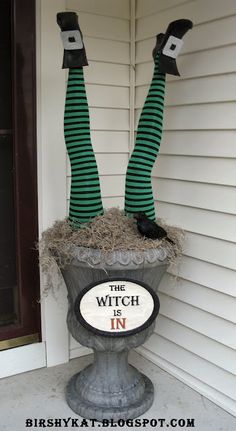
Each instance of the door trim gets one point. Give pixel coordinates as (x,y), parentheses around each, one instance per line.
(22,359)
(24,170)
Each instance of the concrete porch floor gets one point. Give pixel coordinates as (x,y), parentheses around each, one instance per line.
(40,394)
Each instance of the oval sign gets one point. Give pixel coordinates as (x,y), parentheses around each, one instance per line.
(117,307)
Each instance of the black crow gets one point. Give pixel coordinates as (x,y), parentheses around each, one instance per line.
(149,228)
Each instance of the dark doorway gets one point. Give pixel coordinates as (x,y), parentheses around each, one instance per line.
(19,274)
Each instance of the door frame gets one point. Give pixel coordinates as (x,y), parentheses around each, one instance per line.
(23,59)
(52,192)
(52,180)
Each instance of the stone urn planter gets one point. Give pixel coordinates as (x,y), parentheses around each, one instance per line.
(110,388)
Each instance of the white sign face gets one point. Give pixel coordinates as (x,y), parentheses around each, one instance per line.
(115,307)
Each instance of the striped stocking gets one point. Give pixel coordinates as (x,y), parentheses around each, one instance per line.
(85,196)
(138,188)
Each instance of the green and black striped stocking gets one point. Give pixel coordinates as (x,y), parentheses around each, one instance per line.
(85,196)
(138,187)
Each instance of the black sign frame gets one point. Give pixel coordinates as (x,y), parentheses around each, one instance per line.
(130,332)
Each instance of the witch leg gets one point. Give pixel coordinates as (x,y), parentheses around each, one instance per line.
(138,188)
(85,196)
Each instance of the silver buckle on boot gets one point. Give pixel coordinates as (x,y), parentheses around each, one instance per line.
(172,47)
(71,39)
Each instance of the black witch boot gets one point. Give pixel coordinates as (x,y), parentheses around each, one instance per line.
(168,45)
(72,39)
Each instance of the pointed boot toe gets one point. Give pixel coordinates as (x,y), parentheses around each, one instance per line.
(170,45)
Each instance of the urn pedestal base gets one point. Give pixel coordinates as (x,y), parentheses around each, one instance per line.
(110,388)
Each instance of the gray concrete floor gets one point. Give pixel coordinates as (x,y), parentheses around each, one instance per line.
(40,394)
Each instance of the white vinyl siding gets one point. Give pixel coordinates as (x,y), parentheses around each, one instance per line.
(194,183)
